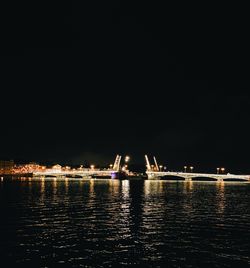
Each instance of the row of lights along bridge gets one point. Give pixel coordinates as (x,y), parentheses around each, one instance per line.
(220,170)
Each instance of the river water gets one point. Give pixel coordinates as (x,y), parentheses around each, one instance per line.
(112,223)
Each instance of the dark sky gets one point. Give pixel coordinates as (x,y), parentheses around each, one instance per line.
(87,81)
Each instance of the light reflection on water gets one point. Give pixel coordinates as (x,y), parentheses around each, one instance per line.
(220,197)
(99,223)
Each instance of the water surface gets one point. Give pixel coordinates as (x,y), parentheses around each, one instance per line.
(111,223)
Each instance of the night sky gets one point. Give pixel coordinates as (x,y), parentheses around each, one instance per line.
(85,82)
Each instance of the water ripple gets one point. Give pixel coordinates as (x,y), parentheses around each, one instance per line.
(104,223)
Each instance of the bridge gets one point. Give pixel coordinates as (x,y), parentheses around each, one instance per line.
(82,172)
(188,176)
(74,173)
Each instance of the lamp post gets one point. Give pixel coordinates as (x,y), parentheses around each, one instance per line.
(191,168)
(127,158)
(185,169)
(160,167)
(220,170)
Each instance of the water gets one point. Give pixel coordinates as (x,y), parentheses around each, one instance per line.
(111,223)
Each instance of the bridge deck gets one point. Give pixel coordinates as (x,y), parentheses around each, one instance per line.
(188,175)
(75,173)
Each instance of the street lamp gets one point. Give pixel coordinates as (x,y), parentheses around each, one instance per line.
(220,170)
(160,167)
(191,168)
(127,158)
(110,166)
(185,169)
(92,166)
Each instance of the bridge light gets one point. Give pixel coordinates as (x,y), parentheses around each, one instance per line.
(127,158)
(218,170)
(191,168)
(185,168)
(92,166)
(222,170)
(110,166)
(160,166)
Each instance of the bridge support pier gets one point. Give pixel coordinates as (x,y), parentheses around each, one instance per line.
(188,179)
(220,180)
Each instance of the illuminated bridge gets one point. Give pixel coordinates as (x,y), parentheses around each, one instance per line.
(81,172)
(188,176)
(75,173)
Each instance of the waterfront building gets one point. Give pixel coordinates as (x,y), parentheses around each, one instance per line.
(28,168)
(6,166)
